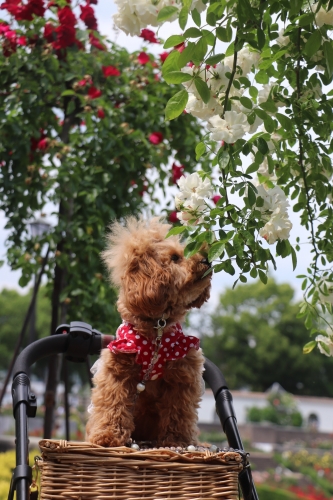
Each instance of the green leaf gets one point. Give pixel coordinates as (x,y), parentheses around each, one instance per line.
(245,11)
(171,63)
(246,102)
(196,17)
(176,230)
(183,16)
(313,44)
(293,257)
(177,77)
(192,248)
(285,122)
(251,194)
(268,106)
(224,34)
(262,77)
(305,19)
(186,55)
(68,92)
(230,50)
(200,51)
(261,38)
(223,158)
(166,12)
(263,277)
(216,250)
(214,59)
(176,105)
(328,53)
(200,149)
(173,40)
(209,37)
(262,146)
(309,347)
(192,33)
(253,91)
(202,89)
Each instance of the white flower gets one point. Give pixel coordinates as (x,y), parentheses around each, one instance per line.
(217,81)
(246,60)
(274,199)
(264,170)
(133,15)
(233,127)
(322,16)
(282,39)
(198,108)
(327,340)
(325,290)
(193,185)
(277,228)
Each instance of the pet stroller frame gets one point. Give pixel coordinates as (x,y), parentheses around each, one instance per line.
(76,341)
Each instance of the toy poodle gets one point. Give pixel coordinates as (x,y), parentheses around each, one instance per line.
(148,383)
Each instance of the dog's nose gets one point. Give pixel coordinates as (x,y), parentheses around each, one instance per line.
(206,262)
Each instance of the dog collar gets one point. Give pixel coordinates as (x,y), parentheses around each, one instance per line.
(174,345)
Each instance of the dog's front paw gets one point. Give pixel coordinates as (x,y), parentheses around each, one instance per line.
(108,441)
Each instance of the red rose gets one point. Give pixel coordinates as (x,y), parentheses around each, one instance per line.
(49,32)
(177,172)
(66,36)
(36,7)
(93,92)
(110,71)
(156,137)
(66,16)
(22,40)
(88,16)
(100,113)
(173,217)
(4,27)
(216,198)
(84,82)
(95,42)
(149,36)
(10,35)
(143,58)
(163,56)
(43,144)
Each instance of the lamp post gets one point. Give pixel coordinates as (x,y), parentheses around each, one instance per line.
(38,227)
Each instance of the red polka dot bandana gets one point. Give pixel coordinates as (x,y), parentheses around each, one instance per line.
(174,345)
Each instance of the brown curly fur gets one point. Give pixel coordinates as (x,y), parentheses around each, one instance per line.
(151,285)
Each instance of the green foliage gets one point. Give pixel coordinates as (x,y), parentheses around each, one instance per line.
(281,410)
(91,141)
(7,465)
(255,337)
(13,308)
(269,493)
(278,72)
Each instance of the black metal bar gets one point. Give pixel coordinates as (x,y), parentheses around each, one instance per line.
(225,410)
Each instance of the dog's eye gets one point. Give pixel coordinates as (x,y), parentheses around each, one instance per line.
(175,257)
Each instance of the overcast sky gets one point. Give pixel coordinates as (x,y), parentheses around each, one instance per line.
(104,11)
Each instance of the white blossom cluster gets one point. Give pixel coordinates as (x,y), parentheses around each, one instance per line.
(274,213)
(322,16)
(134,15)
(234,125)
(327,341)
(190,200)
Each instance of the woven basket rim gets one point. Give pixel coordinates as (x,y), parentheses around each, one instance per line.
(53,447)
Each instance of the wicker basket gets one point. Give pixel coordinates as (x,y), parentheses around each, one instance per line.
(84,471)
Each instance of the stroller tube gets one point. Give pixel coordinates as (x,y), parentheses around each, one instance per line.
(225,410)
